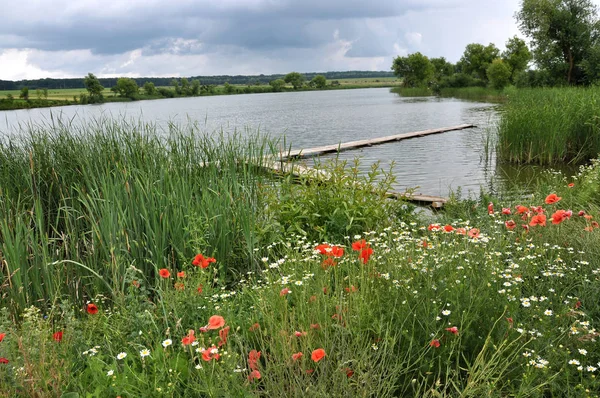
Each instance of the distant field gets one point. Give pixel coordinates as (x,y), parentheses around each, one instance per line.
(53,94)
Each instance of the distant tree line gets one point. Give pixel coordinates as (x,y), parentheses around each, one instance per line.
(166,81)
(565,49)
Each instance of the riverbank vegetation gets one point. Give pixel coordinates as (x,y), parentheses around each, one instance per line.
(138,263)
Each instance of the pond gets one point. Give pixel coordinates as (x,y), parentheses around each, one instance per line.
(435,164)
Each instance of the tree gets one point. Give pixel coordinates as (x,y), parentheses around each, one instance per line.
(186,89)
(477,58)
(127,87)
(498,73)
(277,84)
(442,67)
(415,69)
(94,88)
(295,79)
(195,87)
(516,56)
(175,84)
(24,93)
(319,81)
(563,32)
(149,88)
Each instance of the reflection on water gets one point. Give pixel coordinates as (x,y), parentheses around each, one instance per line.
(435,164)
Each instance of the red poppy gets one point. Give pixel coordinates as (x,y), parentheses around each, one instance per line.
(588,216)
(297,356)
(510,224)
(202,261)
(588,229)
(506,211)
(359,245)
(559,216)
(552,198)
(3,360)
(581,213)
(300,334)
(284,292)
(92,309)
(538,209)
(253,358)
(135,283)
(448,228)
(215,322)
(223,333)
(474,233)
(365,254)
(577,305)
(490,208)
(595,224)
(164,273)
(453,330)
(179,286)
(255,374)
(2,336)
(571,185)
(57,336)
(318,354)
(199,289)
(460,231)
(315,326)
(254,327)
(323,248)
(510,322)
(181,274)
(210,353)
(434,227)
(522,209)
(309,371)
(525,227)
(189,339)
(312,299)
(328,262)
(351,289)
(538,219)
(337,251)
(435,343)
(349,372)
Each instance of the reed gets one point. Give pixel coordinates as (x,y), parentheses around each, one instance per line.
(550,125)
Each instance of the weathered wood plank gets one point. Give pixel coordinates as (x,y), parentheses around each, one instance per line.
(310,152)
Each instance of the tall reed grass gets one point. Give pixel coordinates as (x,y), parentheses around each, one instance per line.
(83,205)
(550,125)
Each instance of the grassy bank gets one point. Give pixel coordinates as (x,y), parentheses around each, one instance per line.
(553,125)
(315,289)
(481,94)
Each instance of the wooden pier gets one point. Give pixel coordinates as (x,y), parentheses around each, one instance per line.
(311,152)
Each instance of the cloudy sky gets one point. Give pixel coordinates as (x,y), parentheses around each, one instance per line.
(69,38)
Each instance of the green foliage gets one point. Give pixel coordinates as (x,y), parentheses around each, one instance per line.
(319,81)
(415,69)
(195,90)
(442,68)
(277,84)
(563,32)
(295,79)
(547,126)
(477,58)
(24,93)
(149,88)
(516,56)
(94,88)
(498,74)
(127,87)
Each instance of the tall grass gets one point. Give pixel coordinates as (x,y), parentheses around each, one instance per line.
(484,94)
(81,204)
(550,125)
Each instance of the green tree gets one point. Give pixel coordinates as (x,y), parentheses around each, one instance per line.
(498,73)
(277,84)
(94,88)
(442,67)
(477,58)
(415,69)
(149,88)
(319,81)
(176,86)
(516,56)
(295,79)
(195,87)
(563,32)
(127,87)
(45,93)
(24,93)
(186,89)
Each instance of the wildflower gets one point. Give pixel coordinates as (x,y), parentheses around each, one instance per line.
(323,248)
(359,245)
(255,374)
(2,335)
(365,254)
(253,358)
(57,336)
(309,371)
(121,355)
(199,289)
(490,208)
(328,262)
(571,185)
(211,353)
(299,334)
(351,289)
(315,326)
(581,213)
(559,216)
(506,211)
(552,198)
(582,351)
(435,343)
(337,251)
(539,219)
(591,369)
(349,372)
(548,312)
(522,209)
(254,327)
(164,273)
(284,292)
(167,343)
(460,231)
(135,283)
(297,356)
(215,322)
(431,227)
(181,274)
(144,353)
(537,209)
(474,233)
(92,309)
(574,362)
(318,354)
(510,224)
(179,286)
(110,373)
(189,339)
(3,360)
(453,330)
(448,228)
(223,333)
(203,262)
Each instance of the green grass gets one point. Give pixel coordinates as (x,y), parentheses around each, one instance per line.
(548,126)
(482,94)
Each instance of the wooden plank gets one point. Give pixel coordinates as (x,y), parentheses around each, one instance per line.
(299,171)
(310,152)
